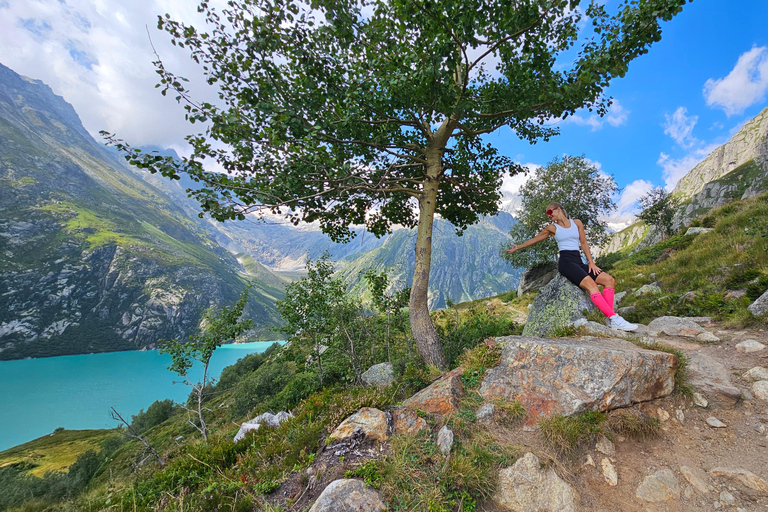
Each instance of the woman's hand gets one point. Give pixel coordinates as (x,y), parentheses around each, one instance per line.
(513,249)
(594,268)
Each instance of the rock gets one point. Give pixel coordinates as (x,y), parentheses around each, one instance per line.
(727,498)
(406,421)
(699,399)
(486,411)
(697,230)
(760,306)
(675,326)
(564,376)
(372,422)
(445,440)
(648,289)
(700,319)
(589,461)
(756,373)
(744,477)
(680,415)
(709,375)
(536,278)
(609,472)
(659,487)
(662,414)
(441,397)
(760,389)
(559,304)
(707,337)
(696,478)
(348,495)
(605,446)
(749,346)
(735,294)
(618,297)
(266,419)
(525,486)
(715,423)
(626,310)
(379,375)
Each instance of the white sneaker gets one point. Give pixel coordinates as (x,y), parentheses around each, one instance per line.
(619,323)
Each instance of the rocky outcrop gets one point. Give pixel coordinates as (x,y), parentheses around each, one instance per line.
(537,277)
(560,304)
(565,376)
(369,421)
(526,486)
(441,397)
(267,419)
(760,306)
(348,496)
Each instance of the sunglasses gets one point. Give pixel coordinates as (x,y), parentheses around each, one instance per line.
(550,211)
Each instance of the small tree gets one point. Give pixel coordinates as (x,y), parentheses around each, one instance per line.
(658,209)
(347,112)
(216,330)
(386,301)
(580,187)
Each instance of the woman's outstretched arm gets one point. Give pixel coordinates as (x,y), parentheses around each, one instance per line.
(543,235)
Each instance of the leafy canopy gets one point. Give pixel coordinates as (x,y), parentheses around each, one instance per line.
(580,187)
(657,209)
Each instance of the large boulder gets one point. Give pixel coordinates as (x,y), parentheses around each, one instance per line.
(348,496)
(371,422)
(379,375)
(675,326)
(760,306)
(536,278)
(441,397)
(550,376)
(526,486)
(559,304)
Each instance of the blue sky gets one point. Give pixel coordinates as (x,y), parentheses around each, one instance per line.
(690,93)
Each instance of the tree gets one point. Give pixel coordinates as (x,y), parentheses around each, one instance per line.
(584,192)
(217,329)
(386,301)
(657,208)
(373,112)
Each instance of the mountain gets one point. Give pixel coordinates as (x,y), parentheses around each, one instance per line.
(737,169)
(93,257)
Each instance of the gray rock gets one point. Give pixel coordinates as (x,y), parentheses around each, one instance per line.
(696,478)
(445,440)
(348,496)
(697,230)
(680,415)
(537,277)
(711,376)
(707,337)
(526,487)
(618,297)
(485,411)
(564,376)
(675,326)
(605,446)
(756,373)
(659,487)
(727,498)
(760,389)
(559,304)
(715,423)
(699,399)
(760,306)
(267,419)
(626,310)
(648,289)
(744,477)
(379,375)
(749,346)
(609,472)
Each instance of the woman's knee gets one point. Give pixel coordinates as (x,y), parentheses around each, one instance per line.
(606,280)
(589,285)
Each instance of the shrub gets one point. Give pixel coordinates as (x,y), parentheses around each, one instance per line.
(258,386)
(156,413)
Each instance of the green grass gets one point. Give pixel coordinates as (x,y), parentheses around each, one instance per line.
(567,435)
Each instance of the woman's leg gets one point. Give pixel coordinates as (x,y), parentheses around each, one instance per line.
(590,286)
(608,283)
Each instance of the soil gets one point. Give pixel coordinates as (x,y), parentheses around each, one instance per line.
(685,439)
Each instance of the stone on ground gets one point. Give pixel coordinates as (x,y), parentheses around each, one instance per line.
(445,440)
(648,289)
(372,422)
(675,326)
(485,412)
(379,375)
(715,423)
(267,419)
(348,496)
(749,346)
(441,397)
(609,472)
(756,373)
(550,376)
(745,477)
(709,375)
(707,337)
(659,487)
(760,306)
(559,304)
(406,421)
(760,389)
(605,446)
(699,399)
(525,486)
(696,478)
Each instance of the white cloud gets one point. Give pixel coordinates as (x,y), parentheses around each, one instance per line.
(616,116)
(680,126)
(744,86)
(675,168)
(97,55)
(626,204)
(510,189)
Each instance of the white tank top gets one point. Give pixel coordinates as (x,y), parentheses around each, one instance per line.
(567,238)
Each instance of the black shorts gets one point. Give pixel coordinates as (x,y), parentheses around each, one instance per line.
(570,265)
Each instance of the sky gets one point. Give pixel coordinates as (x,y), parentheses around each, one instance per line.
(689,94)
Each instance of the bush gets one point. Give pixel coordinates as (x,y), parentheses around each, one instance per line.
(260,385)
(157,412)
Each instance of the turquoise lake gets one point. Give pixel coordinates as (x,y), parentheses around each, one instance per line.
(75,392)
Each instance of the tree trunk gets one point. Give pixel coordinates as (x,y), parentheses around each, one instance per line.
(421,324)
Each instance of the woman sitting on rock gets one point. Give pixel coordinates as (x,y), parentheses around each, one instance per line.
(569,234)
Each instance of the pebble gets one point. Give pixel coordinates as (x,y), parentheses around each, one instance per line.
(589,461)
(680,415)
(761,429)
(715,423)
(609,472)
(749,346)
(727,498)
(662,414)
(699,399)
(717,505)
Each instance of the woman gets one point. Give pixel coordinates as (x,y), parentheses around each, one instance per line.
(569,234)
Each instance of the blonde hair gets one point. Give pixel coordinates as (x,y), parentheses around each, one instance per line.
(558,205)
